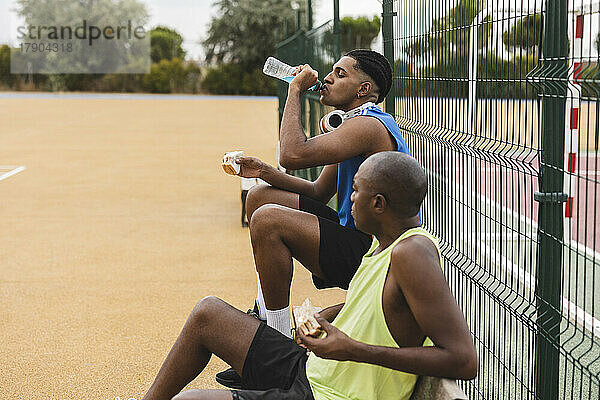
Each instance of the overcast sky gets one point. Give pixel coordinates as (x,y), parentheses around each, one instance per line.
(191,17)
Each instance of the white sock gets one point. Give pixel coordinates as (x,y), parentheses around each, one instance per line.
(260,300)
(280,320)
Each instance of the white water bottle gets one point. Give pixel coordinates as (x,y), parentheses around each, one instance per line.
(280,70)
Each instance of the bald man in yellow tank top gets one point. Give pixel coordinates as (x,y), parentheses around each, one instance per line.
(399,320)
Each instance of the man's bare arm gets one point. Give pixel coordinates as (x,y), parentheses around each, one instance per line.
(291,134)
(434,309)
(322,189)
(357,136)
(361,135)
(331,312)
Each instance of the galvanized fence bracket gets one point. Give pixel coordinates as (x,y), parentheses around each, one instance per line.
(550,197)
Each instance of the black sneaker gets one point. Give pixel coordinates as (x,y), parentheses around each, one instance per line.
(229,378)
(255,312)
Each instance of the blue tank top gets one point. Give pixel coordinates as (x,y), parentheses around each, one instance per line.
(347,168)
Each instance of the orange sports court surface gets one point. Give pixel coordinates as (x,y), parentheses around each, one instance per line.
(116,219)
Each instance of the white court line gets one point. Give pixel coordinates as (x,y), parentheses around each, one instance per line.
(569,309)
(15,170)
(591,253)
(490,236)
(574,244)
(587,173)
(579,172)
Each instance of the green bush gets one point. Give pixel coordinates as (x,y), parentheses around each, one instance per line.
(235,79)
(6,79)
(525,34)
(170,76)
(359,32)
(405,85)
(165,44)
(126,83)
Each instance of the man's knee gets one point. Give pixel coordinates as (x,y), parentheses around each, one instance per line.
(257,196)
(193,394)
(206,311)
(266,222)
(197,394)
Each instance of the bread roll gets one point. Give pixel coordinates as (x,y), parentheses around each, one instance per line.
(304,316)
(229,165)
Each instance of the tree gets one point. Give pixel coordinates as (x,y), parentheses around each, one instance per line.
(525,33)
(448,39)
(170,76)
(243,32)
(104,55)
(165,44)
(406,85)
(440,59)
(442,55)
(6,78)
(240,39)
(359,33)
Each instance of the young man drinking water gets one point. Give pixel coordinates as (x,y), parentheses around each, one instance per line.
(289,218)
(399,319)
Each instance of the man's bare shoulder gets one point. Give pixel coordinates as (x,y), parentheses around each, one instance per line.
(415,256)
(368,131)
(364,124)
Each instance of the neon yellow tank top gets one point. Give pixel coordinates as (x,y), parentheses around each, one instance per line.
(362,319)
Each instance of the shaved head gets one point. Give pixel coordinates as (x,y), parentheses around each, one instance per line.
(399,178)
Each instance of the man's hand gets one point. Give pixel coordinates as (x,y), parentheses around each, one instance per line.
(304,78)
(251,167)
(334,345)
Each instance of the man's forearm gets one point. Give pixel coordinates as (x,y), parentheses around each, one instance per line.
(292,136)
(429,361)
(287,182)
(331,312)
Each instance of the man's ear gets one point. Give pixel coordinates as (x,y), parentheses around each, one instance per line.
(379,203)
(365,89)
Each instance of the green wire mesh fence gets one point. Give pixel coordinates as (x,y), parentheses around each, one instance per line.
(499,102)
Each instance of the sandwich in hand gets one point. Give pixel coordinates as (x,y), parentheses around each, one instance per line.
(304,316)
(229,165)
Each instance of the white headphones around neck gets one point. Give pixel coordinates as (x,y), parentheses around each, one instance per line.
(335,118)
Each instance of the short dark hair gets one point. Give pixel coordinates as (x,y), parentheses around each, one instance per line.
(400,179)
(376,66)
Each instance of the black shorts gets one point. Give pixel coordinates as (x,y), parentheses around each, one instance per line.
(275,368)
(340,248)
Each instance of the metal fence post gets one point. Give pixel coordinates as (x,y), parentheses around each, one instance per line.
(309,15)
(337,31)
(550,198)
(387,31)
(298,20)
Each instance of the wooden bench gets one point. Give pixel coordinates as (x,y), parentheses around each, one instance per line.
(430,388)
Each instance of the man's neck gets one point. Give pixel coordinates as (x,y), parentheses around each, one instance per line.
(355,103)
(392,231)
